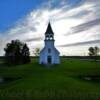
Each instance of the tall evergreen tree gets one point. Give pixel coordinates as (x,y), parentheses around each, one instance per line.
(25,54)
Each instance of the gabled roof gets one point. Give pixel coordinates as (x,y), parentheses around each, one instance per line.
(49,29)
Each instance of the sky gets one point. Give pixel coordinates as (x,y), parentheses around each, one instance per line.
(76,24)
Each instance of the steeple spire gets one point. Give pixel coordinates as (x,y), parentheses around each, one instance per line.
(49,29)
(49,35)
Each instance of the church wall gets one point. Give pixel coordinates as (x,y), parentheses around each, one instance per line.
(44,54)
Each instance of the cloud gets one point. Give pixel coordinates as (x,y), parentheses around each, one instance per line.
(85,26)
(33,39)
(81,43)
(81,18)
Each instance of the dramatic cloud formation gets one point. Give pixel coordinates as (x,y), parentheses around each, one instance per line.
(74,24)
(86,26)
(82,43)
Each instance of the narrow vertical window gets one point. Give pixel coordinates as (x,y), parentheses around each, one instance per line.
(49,50)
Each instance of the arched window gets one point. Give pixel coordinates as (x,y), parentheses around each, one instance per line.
(51,37)
(47,37)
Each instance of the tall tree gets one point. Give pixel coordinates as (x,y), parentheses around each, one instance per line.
(91,51)
(96,49)
(14,52)
(25,54)
(94,52)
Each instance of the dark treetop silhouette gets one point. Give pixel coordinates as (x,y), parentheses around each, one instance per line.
(16,52)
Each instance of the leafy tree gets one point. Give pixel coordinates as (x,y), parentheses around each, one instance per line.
(94,52)
(15,53)
(36,51)
(91,51)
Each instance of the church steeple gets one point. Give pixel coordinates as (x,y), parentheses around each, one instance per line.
(49,54)
(49,29)
(49,35)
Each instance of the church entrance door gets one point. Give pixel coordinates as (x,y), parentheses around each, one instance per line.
(49,59)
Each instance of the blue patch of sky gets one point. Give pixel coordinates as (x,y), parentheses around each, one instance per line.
(71,3)
(13,10)
(74,2)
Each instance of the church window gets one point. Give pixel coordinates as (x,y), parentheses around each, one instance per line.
(49,50)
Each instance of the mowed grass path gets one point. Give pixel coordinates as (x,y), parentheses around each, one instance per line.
(60,82)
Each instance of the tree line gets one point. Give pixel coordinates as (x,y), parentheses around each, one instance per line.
(17,52)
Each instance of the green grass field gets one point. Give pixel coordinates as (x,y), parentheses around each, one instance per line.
(60,82)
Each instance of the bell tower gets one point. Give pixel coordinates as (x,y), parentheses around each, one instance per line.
(49,35)
(49,54)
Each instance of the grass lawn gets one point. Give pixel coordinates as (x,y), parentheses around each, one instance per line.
(60,82)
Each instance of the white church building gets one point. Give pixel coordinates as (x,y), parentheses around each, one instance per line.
(49,54)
